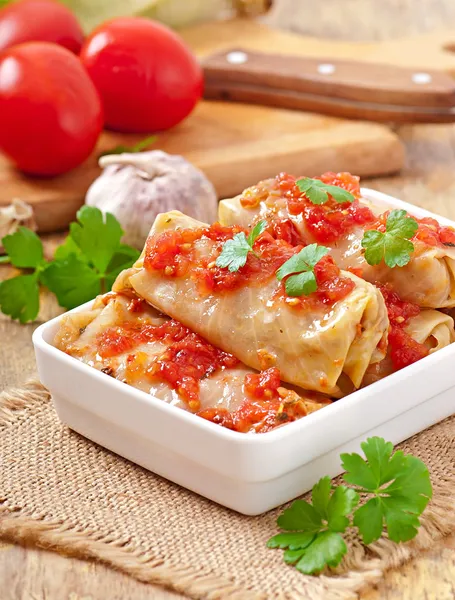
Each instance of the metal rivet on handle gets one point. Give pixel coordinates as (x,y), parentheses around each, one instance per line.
(326,69)
(237,58)
(421,78)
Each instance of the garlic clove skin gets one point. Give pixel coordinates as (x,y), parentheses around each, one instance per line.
(136,187)
(13,216)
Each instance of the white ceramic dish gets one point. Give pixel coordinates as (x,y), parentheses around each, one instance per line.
(248,473)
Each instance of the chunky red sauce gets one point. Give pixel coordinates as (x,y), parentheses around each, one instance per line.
(286,230)
(404,350)
(326,222)
(264,384)
(330,221)
(173,253)
(187,360)
(262,411)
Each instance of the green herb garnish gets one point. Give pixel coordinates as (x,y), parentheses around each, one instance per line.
(318,192)
(393,246)
(85,265)
(19,296)
(399,488)
(300,267)
(235,251)
(313,539)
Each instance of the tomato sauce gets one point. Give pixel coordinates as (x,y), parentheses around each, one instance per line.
(286,230)
(332,220)
(263,409)
(264,384)
(256,415)
(173,254)
(187,360)
(404,350)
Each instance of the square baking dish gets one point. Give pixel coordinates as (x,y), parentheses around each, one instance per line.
(248,473)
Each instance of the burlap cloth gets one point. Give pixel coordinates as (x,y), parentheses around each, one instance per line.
(62,492)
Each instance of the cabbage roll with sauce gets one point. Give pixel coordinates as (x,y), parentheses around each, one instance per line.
(414,334)
(427,280)
(319,342)
(125,338)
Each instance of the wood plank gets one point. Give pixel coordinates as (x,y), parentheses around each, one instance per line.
(235,145)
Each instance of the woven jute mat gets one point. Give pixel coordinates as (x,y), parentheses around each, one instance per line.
(65,493)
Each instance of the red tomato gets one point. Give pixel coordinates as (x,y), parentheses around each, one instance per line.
(39,20)
(147,78)
(50,112)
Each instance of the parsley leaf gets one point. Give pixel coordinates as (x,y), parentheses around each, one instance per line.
(315,540)
(19,297)
(97,237)
(302,263)
(327,548)
(393,246)
(235,251)
(68,247)
(397,505)
(259,228)
(399,488)
(24,248)
(318,192)
(72,280)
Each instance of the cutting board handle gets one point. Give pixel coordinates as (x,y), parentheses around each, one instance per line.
(238,69)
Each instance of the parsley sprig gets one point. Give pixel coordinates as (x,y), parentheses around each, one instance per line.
(19,296)
(85,265)
(318,192)
(235,251)
(393,246)
(299,270)
(398,488)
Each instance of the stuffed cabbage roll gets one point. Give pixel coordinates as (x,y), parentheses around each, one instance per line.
(318,342)
(429,277)
(125,338)
(426,332)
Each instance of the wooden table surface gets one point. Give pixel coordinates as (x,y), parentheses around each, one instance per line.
(427,180)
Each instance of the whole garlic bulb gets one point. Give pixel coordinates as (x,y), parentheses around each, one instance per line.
(136,187)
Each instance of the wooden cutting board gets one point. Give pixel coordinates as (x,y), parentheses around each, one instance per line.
(235,144)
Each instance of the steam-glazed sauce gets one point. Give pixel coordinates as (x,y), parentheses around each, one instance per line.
(404,350)
(174,254)
(186,360)
(325,222)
